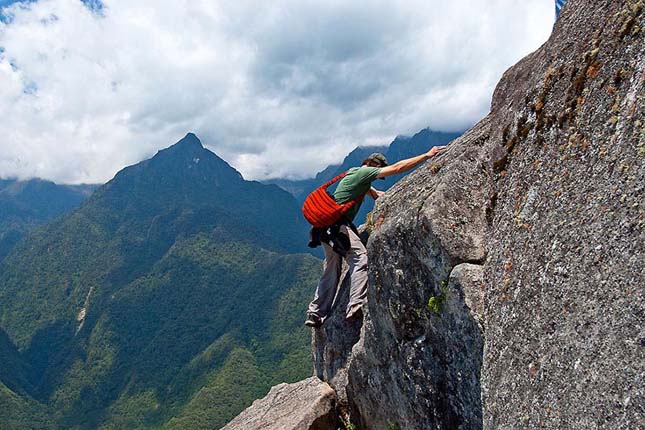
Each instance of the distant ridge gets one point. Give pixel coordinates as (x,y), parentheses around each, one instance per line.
(24,205)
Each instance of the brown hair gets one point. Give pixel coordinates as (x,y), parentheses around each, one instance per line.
(368,159)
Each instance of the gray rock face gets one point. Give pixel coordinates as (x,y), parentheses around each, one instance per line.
(565,303)
(506,275)
(305,405)
(332,343)
(421,349)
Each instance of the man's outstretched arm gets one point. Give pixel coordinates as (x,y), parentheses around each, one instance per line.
(409,163)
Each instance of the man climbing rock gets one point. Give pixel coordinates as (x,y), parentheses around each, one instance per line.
(341,239)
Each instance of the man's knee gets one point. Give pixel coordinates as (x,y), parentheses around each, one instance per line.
(358,261)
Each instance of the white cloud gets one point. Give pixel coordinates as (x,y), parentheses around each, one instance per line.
(278,88)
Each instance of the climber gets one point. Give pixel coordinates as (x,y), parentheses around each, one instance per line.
(341,239)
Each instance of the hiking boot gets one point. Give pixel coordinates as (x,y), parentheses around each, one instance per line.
(313,321)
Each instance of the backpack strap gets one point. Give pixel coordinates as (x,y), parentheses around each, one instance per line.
(334,180)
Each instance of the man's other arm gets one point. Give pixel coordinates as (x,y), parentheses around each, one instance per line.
(374,193)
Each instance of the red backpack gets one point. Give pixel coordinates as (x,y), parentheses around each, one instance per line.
(321,210)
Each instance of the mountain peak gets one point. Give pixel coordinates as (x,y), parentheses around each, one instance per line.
(184,171)
(188,147)
(190,140)
(190,153)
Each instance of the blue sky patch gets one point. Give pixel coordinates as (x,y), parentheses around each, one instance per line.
(5,3)
(94,5)
(4,15)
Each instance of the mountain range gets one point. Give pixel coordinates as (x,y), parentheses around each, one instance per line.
(171,298)
(27,204)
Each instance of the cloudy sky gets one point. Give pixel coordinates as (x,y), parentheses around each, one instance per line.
(278,89)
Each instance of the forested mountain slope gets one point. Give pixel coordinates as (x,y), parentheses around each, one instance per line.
(24,205)
(174,286)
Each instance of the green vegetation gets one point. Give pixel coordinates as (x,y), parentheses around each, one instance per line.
(392,425)
(168,300)
(28,204)
(21,412)
(435,303)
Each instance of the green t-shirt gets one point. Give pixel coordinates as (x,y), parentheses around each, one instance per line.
(356,183)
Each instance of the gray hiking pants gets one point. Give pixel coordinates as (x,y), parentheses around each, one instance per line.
(326,290)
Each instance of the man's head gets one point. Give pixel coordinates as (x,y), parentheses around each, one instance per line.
(375,160)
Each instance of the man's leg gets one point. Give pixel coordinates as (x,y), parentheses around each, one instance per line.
(326,289)
(357,259)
